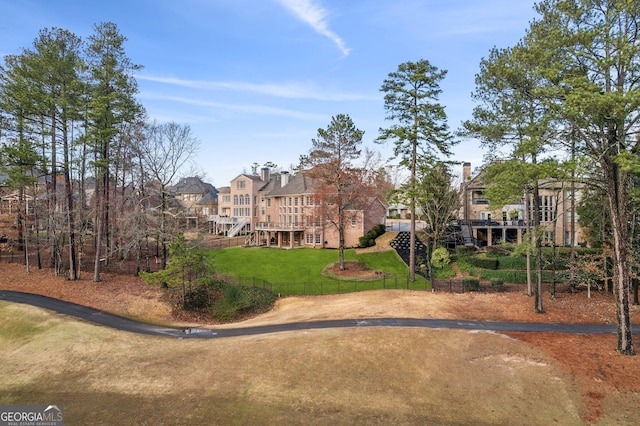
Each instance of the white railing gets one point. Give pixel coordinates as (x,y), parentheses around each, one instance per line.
(277,226)
(237,227)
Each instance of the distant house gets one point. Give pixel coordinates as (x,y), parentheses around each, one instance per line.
(484,227)
(198,200)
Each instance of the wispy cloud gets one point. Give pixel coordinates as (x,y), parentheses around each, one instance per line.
(244,108)
(284,90)
(314,15)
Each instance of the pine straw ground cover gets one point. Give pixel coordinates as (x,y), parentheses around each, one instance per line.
(607,382)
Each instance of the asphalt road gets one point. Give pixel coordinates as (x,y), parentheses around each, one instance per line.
(125,324)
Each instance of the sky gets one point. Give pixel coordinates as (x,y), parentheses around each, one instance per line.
(256,79)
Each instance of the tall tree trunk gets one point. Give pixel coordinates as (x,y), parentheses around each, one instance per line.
(70,210)
(97,266)
(538,244)
(618,201)
(412,208)
(528,219)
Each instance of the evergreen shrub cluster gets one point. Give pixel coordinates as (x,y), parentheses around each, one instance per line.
(369,239)
(496,284)
(471,284)
(483,262)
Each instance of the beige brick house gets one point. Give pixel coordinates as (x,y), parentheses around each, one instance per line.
(482,227)
(279,210)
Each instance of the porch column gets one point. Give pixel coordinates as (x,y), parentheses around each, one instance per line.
(489,236)
(290,239)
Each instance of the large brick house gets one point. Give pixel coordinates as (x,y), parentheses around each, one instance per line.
(482,227)
(279,210)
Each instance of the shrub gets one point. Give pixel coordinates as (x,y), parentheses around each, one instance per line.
(369,239)
(440,258)
(496,284)
(471,284)
(512,262)
(483,262)
(498,250)
(239,300)
(464,251)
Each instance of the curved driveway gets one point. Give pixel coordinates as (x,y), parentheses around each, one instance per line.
(125,324)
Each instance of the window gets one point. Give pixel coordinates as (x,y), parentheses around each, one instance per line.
(247,199)
(353,220)
(226,198)
(205,211)
(241,184)
(247,212)
(289,200)
(235,200)
(295,201)
(317,238)
(268,202)
(308,238)
(268,218)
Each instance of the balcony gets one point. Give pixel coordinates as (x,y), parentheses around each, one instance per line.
(277,226)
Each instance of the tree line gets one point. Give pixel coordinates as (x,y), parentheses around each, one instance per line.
(76,142)
(564,104)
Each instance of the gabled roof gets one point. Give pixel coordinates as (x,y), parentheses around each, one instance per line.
(208,198)
(298,184)
(193,185)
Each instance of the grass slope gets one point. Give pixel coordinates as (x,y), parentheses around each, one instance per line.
(299,271)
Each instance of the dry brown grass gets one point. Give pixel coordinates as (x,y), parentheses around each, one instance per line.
(345,376)
(354,376)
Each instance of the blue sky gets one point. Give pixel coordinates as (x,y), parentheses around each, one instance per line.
(255,79)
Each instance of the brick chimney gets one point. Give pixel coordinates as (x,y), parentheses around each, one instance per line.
(466,172)
(265,174)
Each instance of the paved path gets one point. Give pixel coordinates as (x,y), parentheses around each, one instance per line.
(120,323)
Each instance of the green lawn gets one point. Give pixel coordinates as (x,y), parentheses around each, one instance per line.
(299,271)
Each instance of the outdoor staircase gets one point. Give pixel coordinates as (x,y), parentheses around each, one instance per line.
(466,235)
(233,231)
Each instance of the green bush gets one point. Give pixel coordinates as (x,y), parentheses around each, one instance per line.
(471,284)
(239,300)
(512,262)
(369,239)
(440,258)
(464,251)
(497,250)
(483,262)
(496,284)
